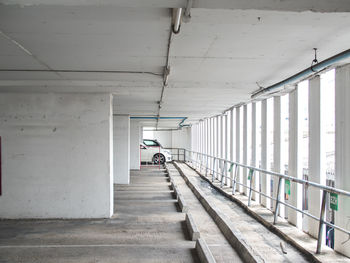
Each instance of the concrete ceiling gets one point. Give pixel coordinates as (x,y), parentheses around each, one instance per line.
(121,47)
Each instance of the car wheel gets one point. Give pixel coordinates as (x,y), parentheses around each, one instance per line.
(158,158)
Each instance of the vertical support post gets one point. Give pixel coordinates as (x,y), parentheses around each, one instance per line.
(317,171)
(278,198)
(0,168)
(217,137)
(277,136)
(254,149)
(265,182)
(231,144)
(320,227)
(342,154)
(245,148)
(294,164)
(238,143)
(226,145)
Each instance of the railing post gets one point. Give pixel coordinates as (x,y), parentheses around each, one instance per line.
(185,155)
(234,180)
(207,166)
(223,174)
(278,198)
(250,175)
(178,154)
(320,228)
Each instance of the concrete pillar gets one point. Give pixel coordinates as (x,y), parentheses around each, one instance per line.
(226,144)
(232,143)
(277,136)
(238,145)
(265,178)
(342,155)
(255,196)
(121,149)
(317,171)
(135,135)
(245,147)
(222,134)
(57,155)
(208,136)
(295,157)
(217,153)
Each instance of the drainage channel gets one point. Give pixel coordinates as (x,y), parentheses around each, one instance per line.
(220,248)
(260,240)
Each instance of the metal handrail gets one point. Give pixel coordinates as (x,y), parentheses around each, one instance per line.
(213,167)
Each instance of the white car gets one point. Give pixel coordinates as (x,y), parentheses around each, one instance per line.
(152,151)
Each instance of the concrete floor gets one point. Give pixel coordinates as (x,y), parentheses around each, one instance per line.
(146,227)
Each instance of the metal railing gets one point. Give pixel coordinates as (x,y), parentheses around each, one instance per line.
(177,154)
(218,169)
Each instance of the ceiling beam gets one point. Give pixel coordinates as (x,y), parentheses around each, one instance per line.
(280,5)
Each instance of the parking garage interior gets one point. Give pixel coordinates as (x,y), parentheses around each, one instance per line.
(174,131)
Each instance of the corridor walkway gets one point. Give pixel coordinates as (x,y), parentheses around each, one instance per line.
(145,228)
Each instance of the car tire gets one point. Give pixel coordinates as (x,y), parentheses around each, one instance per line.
(158,158)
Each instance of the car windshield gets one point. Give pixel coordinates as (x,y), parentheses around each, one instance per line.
(152,143)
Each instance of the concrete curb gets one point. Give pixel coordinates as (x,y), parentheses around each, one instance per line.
(203,251)
(234,237)
(182,203)
(192,227)
(261,220)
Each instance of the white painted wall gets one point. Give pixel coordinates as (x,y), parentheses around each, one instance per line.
(164,137)
(56,154)
(171,139)
(121,134)
(135,139)
(181,138)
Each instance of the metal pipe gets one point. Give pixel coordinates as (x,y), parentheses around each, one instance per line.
(303,74)
(187,14)
(177,20)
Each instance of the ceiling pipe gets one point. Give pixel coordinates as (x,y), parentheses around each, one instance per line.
(180,125)
(306,73)
(177,13)
(187,14)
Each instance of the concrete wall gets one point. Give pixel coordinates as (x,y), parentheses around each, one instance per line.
(121,134)
(56,155)
(181,138)
(135,139)
(164,137)
(171,139)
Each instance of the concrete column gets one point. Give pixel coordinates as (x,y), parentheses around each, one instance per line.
(253,163)
(231,143)
(342,155)
(226,144)
(265,178)
(221,136)
(56,155)
(208,136)
(217,153)
(277,136)
(317,171)
(121,149)
(245,146)
(135,135)
(238,145)
(295,157)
